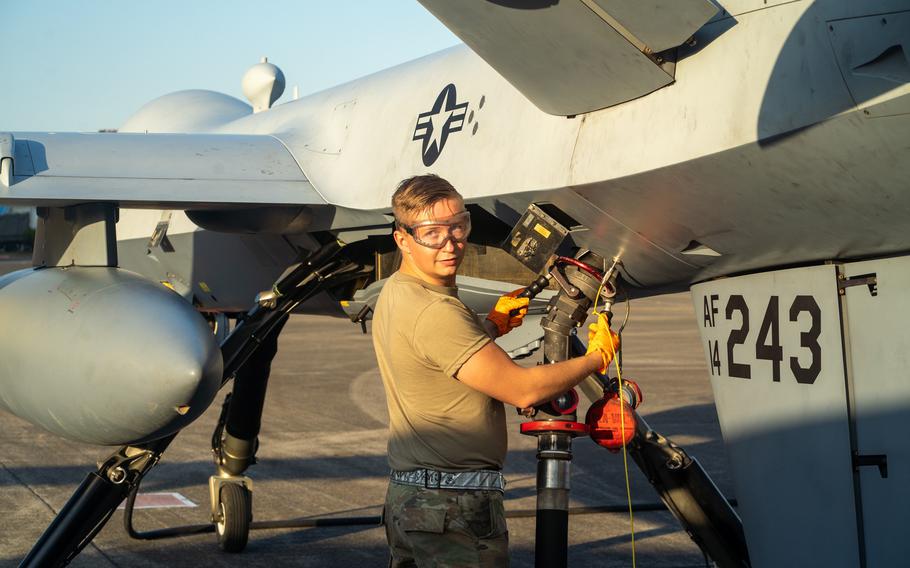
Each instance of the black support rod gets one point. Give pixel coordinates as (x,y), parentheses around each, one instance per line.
(92,505)
(86,512)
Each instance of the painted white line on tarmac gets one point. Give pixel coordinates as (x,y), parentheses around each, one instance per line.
(163,500)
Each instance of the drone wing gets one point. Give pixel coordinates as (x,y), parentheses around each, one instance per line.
(575,56)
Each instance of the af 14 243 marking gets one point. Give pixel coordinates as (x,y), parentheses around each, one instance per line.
(803,310)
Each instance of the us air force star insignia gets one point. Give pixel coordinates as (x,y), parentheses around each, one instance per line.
(434,127)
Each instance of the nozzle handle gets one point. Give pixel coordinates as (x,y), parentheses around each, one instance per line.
(535,287)
(532,290)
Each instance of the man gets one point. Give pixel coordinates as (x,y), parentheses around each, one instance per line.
(446,382)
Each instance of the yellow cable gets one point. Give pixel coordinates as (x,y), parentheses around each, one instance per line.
(625,460)
(622,430)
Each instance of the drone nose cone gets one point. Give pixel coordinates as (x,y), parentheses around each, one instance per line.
(103,356)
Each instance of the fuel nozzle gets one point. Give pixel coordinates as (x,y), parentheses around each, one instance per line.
(577,281)
(608,290)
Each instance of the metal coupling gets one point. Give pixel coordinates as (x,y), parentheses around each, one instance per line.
(268,298)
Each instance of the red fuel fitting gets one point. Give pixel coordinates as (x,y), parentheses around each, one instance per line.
(610,421)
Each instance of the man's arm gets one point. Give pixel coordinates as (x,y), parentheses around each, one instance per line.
(493,373)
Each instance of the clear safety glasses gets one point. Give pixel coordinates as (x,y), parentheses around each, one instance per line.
(436,233)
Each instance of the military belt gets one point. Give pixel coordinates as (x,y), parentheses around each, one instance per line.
(481,479)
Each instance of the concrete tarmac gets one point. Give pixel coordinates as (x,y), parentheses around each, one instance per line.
(322,454)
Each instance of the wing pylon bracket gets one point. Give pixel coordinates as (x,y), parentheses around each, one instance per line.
(7,146)
(78,235)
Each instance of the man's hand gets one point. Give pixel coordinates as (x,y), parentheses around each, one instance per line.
(602,339)
(509,312)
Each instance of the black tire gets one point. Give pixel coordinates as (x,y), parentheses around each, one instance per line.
(235,513)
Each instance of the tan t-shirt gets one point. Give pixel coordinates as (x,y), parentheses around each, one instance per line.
(423,334)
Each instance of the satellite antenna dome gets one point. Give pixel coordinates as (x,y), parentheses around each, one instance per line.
(262,84)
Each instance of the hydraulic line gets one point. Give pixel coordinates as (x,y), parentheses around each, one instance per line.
(581,265)
(316,273)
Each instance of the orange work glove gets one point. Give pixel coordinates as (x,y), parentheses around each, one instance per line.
(600,338)
(509,311)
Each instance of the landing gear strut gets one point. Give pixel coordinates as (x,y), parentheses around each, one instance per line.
(234,445)
(248,353)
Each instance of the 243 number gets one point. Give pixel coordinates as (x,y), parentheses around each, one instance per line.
(767,343)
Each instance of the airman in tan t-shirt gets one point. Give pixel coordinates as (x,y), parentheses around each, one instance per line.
(445,383)
(423,334)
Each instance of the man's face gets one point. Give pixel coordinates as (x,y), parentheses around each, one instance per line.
(436,266)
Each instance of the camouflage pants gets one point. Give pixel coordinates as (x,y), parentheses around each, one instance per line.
(445,527)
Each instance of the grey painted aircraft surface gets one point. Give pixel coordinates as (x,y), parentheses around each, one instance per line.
(755,151)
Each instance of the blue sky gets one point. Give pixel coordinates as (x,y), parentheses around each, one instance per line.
(89,64)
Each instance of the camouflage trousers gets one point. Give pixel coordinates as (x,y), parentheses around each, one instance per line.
(445,527)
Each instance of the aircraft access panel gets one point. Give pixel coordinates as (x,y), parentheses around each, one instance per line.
(808,368)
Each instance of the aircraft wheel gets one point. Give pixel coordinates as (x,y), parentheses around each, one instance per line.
(235,512)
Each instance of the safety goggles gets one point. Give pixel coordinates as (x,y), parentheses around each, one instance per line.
(436,233)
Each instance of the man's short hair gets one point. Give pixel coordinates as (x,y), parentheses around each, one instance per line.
(419,193)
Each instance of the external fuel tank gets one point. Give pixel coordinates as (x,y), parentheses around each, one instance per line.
(103,356)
